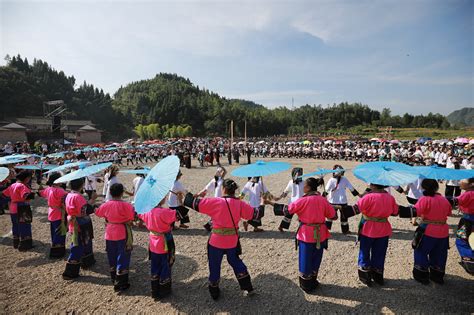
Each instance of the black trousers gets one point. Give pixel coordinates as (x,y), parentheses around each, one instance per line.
(452,191)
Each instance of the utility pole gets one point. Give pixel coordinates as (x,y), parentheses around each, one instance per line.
(245,132)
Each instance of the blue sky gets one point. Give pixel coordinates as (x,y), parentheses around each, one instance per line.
(409,55)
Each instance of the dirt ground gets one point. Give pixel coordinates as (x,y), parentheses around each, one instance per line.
(32,283)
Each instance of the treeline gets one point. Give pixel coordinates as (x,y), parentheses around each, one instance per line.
(174,101)
(24,86)
(155,131)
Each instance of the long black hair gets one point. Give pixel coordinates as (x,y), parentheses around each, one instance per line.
(314,183)
(230,186)
(430,187)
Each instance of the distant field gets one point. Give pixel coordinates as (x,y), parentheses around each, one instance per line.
(414,133)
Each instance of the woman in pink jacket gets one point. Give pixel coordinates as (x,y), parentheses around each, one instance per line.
(226,213)
(312,235)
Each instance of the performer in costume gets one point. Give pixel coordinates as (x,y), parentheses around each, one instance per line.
(431,247)
(109,181)
(374,231)
(312,235)
(336,194)
(256,190)
(214,187)
(175,201)
(80,228)
(20,210)
(55,195)
(295,187)
(162,249)
(118,216)
(226,213)
(464,234)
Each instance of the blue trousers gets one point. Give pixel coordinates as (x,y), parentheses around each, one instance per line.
(77,252)
(20,230)
(215,256)
(119,257)
(160,267)
(432,252)
(372,252)
(56,238)
(310,257)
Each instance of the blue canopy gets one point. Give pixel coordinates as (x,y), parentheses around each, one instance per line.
(441,173)
(157,184)
(261,168)
(37,167)
(143,171)
(10,161)
(385,173)
(83,172)
(68,166)
(4,172)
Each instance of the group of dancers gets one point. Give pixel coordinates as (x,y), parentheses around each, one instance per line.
(317,205)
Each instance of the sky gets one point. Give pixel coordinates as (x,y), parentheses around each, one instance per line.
(411,56)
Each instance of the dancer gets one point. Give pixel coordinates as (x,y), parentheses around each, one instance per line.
(296,188)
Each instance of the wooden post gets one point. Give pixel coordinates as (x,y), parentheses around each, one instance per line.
(245,132)
(231,134)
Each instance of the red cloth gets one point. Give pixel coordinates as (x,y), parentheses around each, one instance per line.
(55,198)
(377,205)
(17,193)
(217,209)
(158,220)
(466,202)
(312,209)
(436,208)
(116,212)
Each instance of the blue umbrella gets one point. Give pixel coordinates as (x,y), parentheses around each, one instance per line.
(323,171)
(143,171)
(4,172)
(261,168)
(37,167)
(385,173)
(83,172)
(157,184)
(56,155)
(441,173)
(10,161)
(68,165)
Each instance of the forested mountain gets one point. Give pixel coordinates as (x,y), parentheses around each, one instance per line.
(462,117)
(169,101)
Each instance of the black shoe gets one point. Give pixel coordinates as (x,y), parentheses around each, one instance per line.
(165,289)
(71,271)
(307,284)
(437,276)
(329,225)
(88,261)
(345,228)
(57,252)
(377,277)
(16,242)
(113,275)
(214,291)
(365,276)
(121,282)
(25,245)
(208,227)
(468,265)
(155,288)
(422,276)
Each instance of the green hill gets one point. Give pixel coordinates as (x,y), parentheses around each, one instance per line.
(463,117)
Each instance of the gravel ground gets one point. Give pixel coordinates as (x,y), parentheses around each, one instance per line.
(32,283)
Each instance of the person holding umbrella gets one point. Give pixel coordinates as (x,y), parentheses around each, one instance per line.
(80,227)
(312,235)
(118,215)
(464,235)
(431,252)
(20,210)
(226,213)
(55,195)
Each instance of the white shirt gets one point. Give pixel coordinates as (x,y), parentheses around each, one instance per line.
(110,182)
(137,182)
(172,197)
(211,187)
(337,193)
(414,189)
(255,191)
(91,183)
(296,190)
